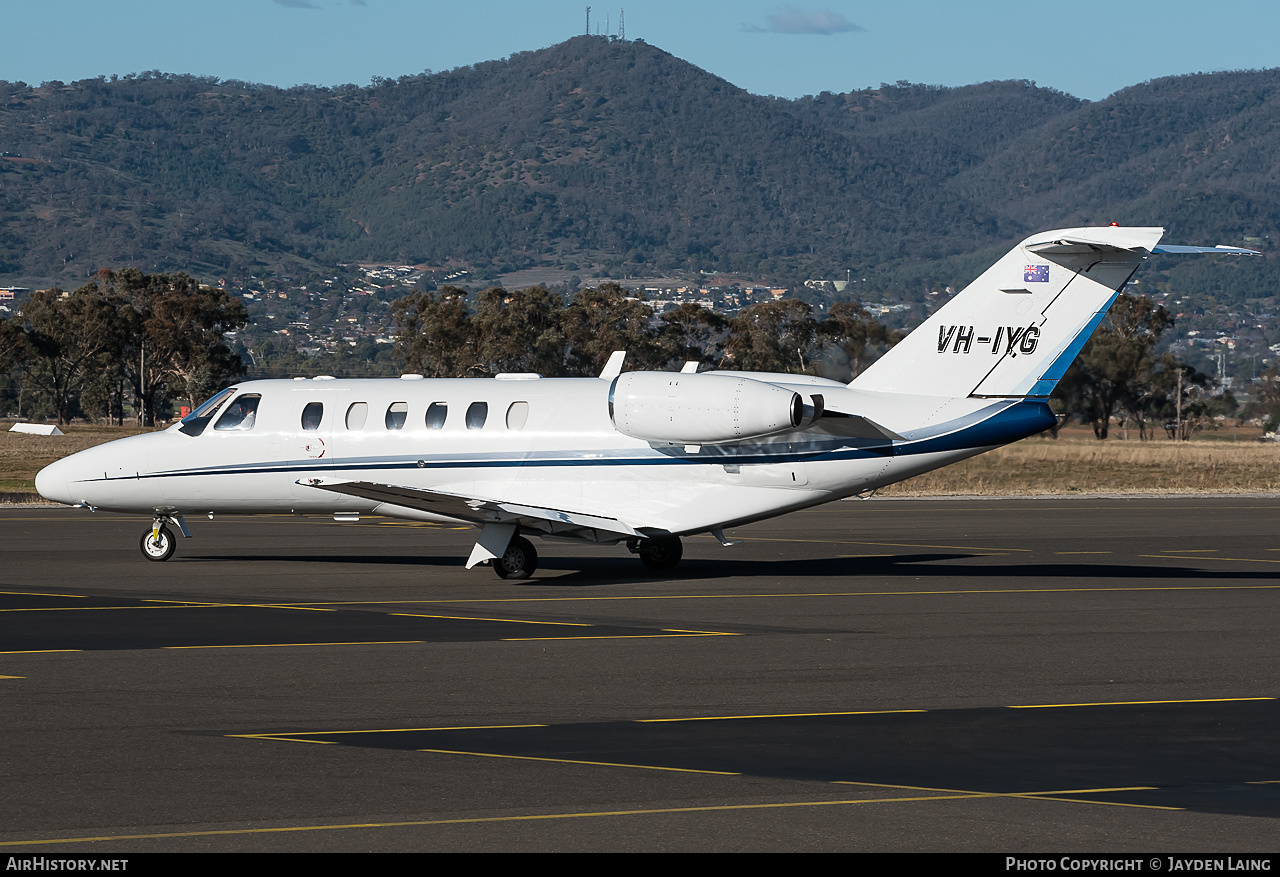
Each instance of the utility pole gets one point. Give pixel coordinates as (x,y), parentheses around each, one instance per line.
(1177,424)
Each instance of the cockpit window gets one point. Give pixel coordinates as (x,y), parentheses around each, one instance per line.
(241,414)
(312,415)
(195,422)
(397,413)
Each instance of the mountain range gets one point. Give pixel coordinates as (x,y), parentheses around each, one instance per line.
(618,155)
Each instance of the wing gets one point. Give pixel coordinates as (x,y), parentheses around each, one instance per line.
(478,511)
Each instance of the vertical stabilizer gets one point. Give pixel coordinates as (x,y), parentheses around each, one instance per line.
(1013,331)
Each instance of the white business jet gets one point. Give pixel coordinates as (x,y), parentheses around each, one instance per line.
(642,458)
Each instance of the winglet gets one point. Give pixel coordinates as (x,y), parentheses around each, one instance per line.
(613,367)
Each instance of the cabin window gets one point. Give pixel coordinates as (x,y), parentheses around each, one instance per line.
(437,414)
(477,413)
(241,414)
(357,414)
(312,415)
(195,422)
(396,414)
(517,415)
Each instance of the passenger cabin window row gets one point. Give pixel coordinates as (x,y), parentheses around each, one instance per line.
(437,415)
(241,415)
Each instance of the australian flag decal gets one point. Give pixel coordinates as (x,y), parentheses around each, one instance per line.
(1035,274)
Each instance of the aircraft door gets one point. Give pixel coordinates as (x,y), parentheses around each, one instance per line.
(302,442)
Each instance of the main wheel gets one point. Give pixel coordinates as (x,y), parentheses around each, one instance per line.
(661,552)
(158,546)
(518,561)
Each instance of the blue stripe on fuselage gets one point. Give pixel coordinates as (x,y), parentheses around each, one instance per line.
(1009,424)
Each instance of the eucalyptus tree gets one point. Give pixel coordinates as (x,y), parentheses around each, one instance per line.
(691,333)
(173,343)
(434,333)
(606,318)
(520,331)
(74,338)
(1117,373)
(853,339)
(776,336)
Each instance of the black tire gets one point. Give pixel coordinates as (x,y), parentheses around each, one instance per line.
(661,552)
(518,561)
(161,547)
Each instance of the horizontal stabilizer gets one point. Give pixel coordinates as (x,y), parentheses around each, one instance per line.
(1085,244)
(471,509)
(1219,249)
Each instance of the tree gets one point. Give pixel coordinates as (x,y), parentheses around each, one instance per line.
(434,333)
(1266,402)
(1116,371)
(691,333)
(15,351)
(776,336)
(15,348)
(520,331)
(604,319)
(173,344)
(1189,406)
(74,338)
(851,333)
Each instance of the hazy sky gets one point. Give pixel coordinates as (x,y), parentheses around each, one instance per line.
(1088,48)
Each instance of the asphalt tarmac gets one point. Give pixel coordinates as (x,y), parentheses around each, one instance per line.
(1091,675)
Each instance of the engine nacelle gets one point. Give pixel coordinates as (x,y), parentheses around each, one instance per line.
(685,408)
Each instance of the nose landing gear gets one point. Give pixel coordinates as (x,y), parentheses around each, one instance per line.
(158,543)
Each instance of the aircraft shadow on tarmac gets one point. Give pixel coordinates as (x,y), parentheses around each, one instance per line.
(1205,756)
(602,571)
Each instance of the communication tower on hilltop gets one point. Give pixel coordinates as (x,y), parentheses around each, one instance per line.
(588,30)
(622,28)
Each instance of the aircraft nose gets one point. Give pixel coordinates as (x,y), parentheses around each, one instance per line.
(51,483)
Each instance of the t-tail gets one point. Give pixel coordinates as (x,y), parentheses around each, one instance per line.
(1012,333)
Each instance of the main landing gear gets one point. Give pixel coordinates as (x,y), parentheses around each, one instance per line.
(658,552)
(518,561)
(158,543)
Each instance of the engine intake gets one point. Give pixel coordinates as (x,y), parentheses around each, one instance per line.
(685,408)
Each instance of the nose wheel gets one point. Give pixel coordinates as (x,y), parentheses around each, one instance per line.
(158,543)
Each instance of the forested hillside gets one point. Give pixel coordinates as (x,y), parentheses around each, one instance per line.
(620,155)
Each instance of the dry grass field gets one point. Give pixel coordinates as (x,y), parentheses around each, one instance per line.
(1076,462)
(1227,461)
